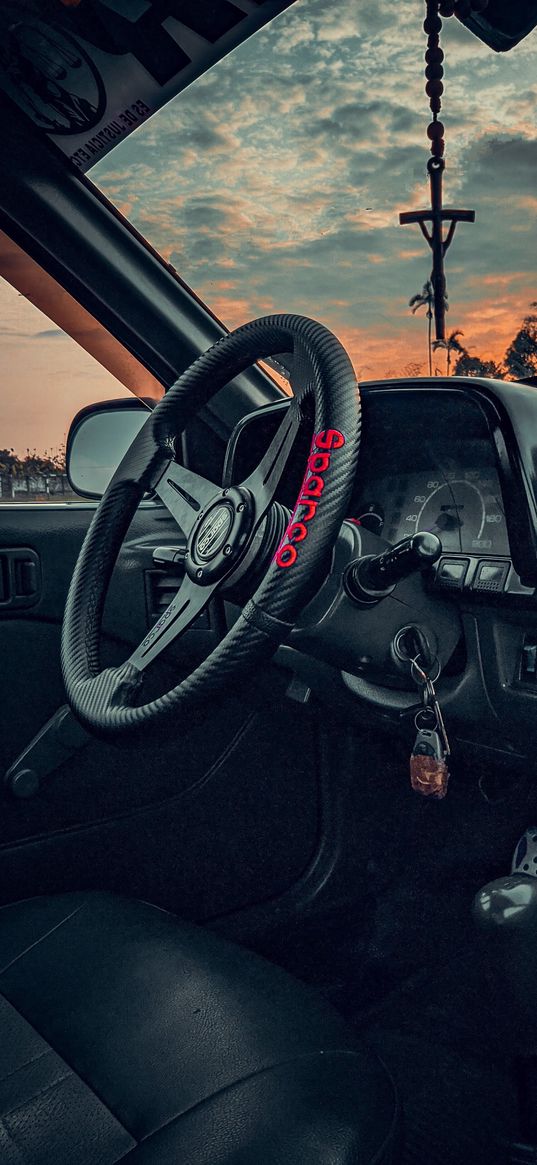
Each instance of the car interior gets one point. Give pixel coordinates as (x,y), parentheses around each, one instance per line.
(268,631)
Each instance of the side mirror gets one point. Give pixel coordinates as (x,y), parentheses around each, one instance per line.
(98,439)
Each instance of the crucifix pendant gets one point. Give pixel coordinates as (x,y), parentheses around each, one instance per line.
(437,215)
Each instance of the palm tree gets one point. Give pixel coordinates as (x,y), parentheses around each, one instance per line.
(425,298)
(452,344)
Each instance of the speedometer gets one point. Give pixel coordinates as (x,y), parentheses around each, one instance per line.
(462,506)
(465,514)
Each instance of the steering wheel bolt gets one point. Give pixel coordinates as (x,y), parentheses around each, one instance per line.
(227,549)
(199,574)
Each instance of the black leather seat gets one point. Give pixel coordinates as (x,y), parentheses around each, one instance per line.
(128,1036)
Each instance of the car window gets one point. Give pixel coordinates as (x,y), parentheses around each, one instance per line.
(275,181)
(47,376)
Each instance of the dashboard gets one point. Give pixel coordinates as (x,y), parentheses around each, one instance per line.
(429,461)
(457,457)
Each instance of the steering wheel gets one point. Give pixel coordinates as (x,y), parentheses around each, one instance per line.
(227,530)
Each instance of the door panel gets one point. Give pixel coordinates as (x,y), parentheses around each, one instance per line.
(207,824)
(30,684)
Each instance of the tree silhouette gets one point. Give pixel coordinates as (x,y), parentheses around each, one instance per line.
(9,462)
(425,298)
(412,369)
(521,355)
(468,365)
(35,473)
(450,345)
(520,360)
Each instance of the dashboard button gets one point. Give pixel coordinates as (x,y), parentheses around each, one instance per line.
(451,573)
(490,576)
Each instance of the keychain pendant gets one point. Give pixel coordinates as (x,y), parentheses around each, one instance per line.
(429,776)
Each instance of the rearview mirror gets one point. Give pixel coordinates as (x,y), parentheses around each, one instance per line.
(503,23)
(98,439)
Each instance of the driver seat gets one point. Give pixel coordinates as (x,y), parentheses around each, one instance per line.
(128,1036)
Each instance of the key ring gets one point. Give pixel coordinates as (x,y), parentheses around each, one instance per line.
(426,718)
(423,677)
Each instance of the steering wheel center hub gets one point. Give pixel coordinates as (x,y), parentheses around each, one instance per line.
(219,536)
(214,531)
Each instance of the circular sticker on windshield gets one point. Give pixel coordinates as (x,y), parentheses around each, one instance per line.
(50,76)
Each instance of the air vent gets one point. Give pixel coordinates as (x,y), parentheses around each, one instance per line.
(161,586)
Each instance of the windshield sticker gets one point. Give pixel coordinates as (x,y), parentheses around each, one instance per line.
(88,77)
(125,121)
(312,487)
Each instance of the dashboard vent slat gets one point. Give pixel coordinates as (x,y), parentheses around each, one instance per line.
(161,586)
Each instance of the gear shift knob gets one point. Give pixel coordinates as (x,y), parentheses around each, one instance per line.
(508,904)
(506,913)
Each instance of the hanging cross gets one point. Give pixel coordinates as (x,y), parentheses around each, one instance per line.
(437,216)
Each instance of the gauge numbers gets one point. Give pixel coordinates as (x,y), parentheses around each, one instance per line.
(463,507)
(465,511)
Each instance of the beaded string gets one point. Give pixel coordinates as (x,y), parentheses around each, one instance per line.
(434,72)
(437,215)
(434,61)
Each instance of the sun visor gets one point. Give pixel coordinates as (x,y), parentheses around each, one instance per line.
(88,72)
(503,23)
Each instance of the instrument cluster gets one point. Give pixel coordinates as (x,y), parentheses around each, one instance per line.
(428,461)
(461,503)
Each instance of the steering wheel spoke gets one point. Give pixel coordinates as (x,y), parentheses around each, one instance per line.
(184,494)
(188,603)
(264,480)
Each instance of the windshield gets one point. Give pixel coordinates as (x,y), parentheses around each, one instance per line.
(274,183)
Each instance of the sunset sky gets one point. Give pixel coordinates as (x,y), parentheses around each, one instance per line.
(275,182)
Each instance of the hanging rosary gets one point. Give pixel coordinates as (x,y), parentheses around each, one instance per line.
(437,214)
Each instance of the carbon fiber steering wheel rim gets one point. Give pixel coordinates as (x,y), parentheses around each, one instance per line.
(108,702)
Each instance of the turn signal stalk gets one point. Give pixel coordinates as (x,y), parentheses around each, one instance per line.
(372,578)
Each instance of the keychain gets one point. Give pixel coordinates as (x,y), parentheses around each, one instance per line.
(429,774)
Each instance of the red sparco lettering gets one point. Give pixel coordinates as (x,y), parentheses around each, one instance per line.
(322,447)
(329,439)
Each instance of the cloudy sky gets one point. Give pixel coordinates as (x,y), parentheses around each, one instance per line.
(275,182)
